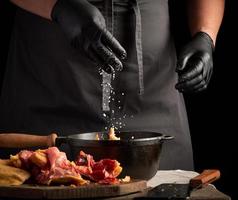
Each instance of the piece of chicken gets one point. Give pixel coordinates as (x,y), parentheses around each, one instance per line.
(112,135)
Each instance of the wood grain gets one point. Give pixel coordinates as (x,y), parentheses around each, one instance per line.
(92,190)
(20,140)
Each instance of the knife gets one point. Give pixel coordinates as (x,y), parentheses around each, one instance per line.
(183,191)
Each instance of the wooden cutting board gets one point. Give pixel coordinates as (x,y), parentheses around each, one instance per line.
(92,190)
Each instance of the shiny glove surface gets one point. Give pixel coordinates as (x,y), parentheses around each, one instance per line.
(195,64)
(85,27)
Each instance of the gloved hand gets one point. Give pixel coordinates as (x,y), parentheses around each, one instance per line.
(195,64)
(85,27)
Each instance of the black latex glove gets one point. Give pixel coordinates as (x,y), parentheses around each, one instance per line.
(195,64)
(85,27)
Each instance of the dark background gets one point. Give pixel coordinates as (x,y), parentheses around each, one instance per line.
(212,114)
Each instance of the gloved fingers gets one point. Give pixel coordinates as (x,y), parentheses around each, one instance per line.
(207,60)
(91,37)
(193,68)
(107,56)
(109,40)
(201,87)
(209,75)
(189,85)
(98,60)
(182,60)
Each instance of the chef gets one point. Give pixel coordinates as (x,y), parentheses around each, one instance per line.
(84,65)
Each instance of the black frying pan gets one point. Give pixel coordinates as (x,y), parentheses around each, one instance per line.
(138,152)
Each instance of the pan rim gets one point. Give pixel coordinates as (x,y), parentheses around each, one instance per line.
(159,137)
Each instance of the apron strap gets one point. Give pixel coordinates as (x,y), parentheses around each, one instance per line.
(106,83)
(138,38)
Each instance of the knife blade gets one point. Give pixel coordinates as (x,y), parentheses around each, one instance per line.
(182,191)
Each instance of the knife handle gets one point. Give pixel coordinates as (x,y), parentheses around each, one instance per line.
(206,177)
(18,140)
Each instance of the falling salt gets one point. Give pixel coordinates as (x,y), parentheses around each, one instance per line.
(113,73)
(100,71)
(116,103)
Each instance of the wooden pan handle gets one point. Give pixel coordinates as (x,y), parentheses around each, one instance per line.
(18,140)
(206,177)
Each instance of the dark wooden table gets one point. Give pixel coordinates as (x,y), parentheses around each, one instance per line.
(172,176)
(207,193)
(181,177)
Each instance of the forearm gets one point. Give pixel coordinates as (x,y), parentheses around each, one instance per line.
(42,8)
(206,16)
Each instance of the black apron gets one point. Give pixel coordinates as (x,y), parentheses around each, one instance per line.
(49,86)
